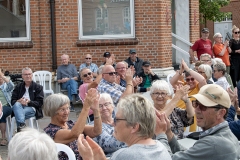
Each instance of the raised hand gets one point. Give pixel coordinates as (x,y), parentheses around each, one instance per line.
(84,149)
(181,90)
(92,97)
(129,75)
(96,149)
(161,124)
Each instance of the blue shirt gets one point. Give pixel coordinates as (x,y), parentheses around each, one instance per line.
(115,90)
(107,141)
(7,89)
(93,67)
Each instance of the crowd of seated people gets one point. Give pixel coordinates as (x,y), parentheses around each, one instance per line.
(125,131)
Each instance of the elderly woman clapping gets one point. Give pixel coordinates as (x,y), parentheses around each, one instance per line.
(179,118)
(134,124)
(65,131)
(106,140)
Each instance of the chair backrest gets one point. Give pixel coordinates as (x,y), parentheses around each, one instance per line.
(168,80)
(67,150)
(42,77)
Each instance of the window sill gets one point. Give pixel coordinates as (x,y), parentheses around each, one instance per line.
(106,42)
(13,45)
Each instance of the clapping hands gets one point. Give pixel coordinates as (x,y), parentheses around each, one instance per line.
(92,99)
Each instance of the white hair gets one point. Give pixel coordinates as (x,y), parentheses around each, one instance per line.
(160,85)
(30,144)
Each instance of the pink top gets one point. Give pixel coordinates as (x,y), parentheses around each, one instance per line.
(82,94)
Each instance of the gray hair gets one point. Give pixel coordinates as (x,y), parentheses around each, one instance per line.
(106,97)
(31,144)
(53,102)
(220,66)
(216,35)
(160,85)
(136,109)
(205,55)
(216,60)
(207,69)
(26,68)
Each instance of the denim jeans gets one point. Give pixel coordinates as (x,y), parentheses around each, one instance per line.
(22,112)
(71,86)
(7,110)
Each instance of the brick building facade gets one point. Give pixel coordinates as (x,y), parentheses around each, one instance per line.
(152,36)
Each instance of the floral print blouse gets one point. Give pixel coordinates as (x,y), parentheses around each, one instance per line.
(179,120)
(52,129)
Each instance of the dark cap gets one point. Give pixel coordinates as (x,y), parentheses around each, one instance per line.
(132,51)
(107,54)
(205,30)
(146,63)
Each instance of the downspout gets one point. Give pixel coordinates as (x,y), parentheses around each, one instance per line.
(53,35)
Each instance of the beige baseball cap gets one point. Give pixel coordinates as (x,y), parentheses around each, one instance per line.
(211,95)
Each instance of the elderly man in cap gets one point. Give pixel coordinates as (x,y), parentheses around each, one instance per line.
(147,76)
(201,46)
(216,141)
(135,61)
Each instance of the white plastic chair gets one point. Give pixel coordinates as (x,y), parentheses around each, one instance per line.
(67,150)
(8,128)
(42,77)
(32,123)
(168,80)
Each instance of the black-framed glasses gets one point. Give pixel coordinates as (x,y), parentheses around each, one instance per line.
(237,32)
(88,58)
(157,94)
(118,119)
(88,74)
(104,105)
(189,79)
(202,107)
(111,73)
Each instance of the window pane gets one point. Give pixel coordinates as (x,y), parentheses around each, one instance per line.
(106,18)
(12,19)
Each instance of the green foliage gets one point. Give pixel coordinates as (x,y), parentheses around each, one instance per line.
(210,10)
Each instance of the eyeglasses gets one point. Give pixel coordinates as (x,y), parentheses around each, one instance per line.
(237,32)
(157,94)
(89,73)
(118,119)
(205,60)
(189,79)
(122,68)
(88,58)
(62,110)
(29,74)
(104,105)
(111,73)
(202,107)
(200,72)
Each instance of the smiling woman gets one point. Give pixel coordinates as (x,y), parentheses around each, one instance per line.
(65,131)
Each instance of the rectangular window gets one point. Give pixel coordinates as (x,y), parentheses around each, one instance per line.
(14,20)
(106,19)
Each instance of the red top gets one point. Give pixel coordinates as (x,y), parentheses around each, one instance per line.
(202,46)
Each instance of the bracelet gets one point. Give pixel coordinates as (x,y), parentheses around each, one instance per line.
(96,117)
(130,85)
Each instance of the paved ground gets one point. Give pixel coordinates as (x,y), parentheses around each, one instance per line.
(42,124)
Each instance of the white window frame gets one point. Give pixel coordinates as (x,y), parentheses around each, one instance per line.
(99,18)
(116,36)
(28,27)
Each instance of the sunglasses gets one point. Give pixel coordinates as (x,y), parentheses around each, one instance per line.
(189,79)
(202,107)
(89,73)
(88,58)
(111,73)
(237,32)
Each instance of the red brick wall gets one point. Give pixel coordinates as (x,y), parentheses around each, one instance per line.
(194,20)
(153,37)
